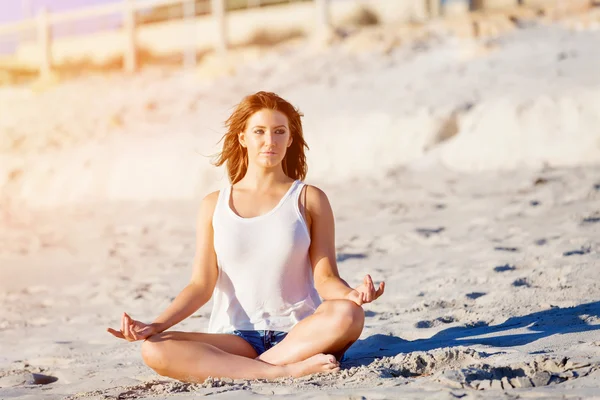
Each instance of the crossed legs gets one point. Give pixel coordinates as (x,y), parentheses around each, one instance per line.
(310,347)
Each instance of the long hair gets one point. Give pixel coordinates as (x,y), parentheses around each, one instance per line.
(236,157)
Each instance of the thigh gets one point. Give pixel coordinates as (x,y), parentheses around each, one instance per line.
(306,338)
(227,342)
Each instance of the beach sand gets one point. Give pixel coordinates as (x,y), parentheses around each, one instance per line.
(465,173)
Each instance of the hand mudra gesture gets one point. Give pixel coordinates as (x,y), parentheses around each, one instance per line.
(132,330)
(366,292)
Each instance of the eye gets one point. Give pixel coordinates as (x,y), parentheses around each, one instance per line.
(259,131)
(280,131)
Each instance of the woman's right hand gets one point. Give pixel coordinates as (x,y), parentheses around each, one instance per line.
(132,330)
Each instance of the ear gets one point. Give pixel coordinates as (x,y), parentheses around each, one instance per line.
(290,141)
(242,139)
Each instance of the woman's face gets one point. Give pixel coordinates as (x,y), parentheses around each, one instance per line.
(267,137)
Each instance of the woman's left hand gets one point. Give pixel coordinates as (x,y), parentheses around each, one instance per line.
(366,293)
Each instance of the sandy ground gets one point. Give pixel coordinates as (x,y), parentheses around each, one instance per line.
(491,282)
(463,173)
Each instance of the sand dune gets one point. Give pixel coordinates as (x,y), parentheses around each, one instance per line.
(434,102)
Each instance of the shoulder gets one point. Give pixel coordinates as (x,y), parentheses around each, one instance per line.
(208,205)
(211,198)
(316,200)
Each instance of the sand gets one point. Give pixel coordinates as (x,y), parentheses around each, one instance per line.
(462,172)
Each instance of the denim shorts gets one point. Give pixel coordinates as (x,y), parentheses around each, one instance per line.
(261,340)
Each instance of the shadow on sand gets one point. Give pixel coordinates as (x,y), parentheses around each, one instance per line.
(538,325)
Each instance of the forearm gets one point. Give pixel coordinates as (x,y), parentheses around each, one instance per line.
(189,300)
(333,288)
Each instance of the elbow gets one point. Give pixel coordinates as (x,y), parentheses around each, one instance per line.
(199,294)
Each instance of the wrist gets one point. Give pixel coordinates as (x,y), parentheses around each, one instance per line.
(158,327)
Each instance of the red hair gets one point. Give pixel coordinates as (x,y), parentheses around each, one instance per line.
(236,156)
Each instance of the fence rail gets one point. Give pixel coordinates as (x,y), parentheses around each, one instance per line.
(42,23)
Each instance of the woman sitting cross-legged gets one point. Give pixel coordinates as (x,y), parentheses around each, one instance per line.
(265,252)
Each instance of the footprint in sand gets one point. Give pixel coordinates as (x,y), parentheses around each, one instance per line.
(436,322)
(590,220)
(542,371)
(509,249)
(504,268)
(25,378)
(475,295)
(427,232)
(521,282)
(580,252)
(341,257)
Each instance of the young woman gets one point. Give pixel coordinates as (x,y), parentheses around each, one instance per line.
(265,251)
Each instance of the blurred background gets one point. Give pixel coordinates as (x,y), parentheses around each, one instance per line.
(118,100)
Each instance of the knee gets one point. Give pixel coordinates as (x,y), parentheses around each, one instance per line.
(348,317)
(154,354)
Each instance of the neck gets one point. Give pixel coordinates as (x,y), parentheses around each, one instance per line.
(262,178)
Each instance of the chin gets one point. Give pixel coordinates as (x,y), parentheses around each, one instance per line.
(267,164)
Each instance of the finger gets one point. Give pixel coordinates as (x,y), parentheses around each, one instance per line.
(123,321)
(133,332)
(130,333)
(367,294)
(115,333)
(357,298)
(124,324)
(380,290)
(131,328)
(127,333)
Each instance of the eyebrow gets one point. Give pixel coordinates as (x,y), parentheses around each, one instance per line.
(260,126)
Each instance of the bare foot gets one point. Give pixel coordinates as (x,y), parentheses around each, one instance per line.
(317,363)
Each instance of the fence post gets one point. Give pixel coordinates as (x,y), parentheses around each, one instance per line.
(129,53)
(44,42)
(433,7)
(323,22)
(218,11)
(189,13)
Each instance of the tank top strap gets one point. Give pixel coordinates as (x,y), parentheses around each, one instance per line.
(296,190)
(222,200)
(294,195)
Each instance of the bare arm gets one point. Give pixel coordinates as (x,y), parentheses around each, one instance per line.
(204,275)
(327,279)
(328,282)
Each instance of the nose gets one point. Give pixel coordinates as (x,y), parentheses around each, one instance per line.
(269,138)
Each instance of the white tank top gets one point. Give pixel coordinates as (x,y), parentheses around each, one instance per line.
(265,278)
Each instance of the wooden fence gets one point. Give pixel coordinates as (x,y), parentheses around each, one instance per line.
(43,22)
